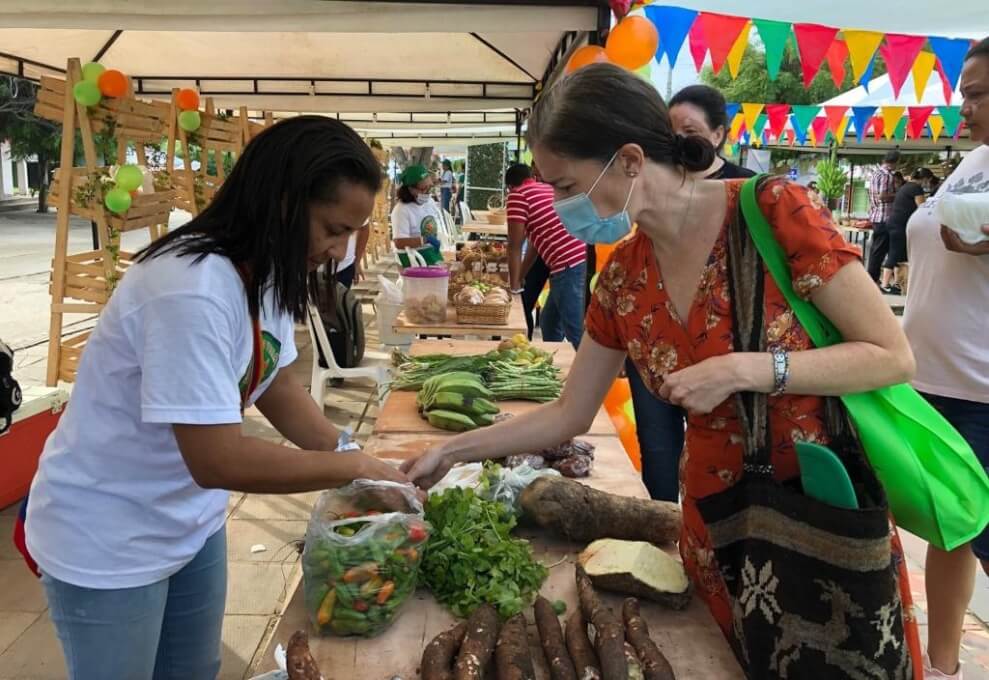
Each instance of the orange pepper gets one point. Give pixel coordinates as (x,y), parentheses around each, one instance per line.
(361,573)
(386,591)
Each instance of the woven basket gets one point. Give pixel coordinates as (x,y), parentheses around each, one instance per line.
(497,216)
(485,315)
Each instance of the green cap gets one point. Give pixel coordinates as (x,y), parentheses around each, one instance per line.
(414,174)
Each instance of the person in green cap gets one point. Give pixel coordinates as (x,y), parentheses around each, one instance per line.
(416,218)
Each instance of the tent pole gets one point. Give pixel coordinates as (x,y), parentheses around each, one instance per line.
(518,136)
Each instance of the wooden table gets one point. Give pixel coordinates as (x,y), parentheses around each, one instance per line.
(516,324)
(690,639)
(485,229)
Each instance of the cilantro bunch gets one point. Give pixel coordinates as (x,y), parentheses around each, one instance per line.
(471,557)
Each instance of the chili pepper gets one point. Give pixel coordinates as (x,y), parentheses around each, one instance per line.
(371,513)
(360,606)
(386,592)
(325,612)
(417,533)
(371,587)
(361,573)
(411,554)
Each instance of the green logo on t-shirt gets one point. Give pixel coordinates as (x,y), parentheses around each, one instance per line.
(428,226)
(271,350)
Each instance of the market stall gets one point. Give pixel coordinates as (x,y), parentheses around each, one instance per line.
(450,327)
(688,638)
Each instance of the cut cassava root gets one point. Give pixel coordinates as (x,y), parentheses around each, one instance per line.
(513,659)
(437,658)
(478,645)
(581,651)
(637,568)
(655,666)
(299,662)
(581,513)
(609,638)
(553,643)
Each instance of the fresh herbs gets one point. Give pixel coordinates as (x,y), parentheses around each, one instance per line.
(471,557)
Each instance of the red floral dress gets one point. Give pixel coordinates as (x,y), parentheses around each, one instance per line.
(632,312)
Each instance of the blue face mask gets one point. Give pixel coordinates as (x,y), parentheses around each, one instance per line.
(581,218)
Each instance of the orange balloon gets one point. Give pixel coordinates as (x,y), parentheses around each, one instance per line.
(112,83)
(586,55)
(633,42)
(187,100)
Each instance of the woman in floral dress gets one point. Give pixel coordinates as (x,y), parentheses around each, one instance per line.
(603,139)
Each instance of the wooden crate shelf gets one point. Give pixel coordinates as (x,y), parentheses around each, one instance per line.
(147,210)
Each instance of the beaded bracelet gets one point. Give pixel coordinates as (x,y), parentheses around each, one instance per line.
(781,371)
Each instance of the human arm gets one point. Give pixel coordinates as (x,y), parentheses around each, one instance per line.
(589,380)
(528,261)
(360,250)
(292,411)
(516,237)
(956,245)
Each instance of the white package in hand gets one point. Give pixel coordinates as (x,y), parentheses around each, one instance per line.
(965,214)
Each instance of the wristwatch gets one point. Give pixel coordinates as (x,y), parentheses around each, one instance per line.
(517,291)
(781,371)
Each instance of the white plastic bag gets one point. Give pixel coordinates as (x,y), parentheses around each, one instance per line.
(964,214)
(504,486)
(391,292)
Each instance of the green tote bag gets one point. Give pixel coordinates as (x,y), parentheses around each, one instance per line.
(936,486)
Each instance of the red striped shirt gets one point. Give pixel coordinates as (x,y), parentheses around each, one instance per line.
(531,205)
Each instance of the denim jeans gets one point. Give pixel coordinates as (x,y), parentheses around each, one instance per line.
(971,419)
(563,316)
(659,427)
(169,630)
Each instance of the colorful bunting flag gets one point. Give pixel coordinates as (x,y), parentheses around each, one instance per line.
(730,111)
(804,115)
(936,124)
(820,128)
(891,116)
(918,117)
(673,25)
(946,88)
(878,127)
(799,131)
(901,129)
(760,125)
(736,126)
(791,136)
(738,51)
(900,52)
(774,35)
(720,33)
(867,77)
(698,44)
(836,56)
(951,54)
(813,42)
(750,112)
(862,116)
(922,69)
(777,114)
(952,117)
(835,116)
(862,46)
(842,130)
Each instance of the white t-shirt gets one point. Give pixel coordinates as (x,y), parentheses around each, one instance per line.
(946,317)
(446,180)
(411,220)
(351,255)
(113,504)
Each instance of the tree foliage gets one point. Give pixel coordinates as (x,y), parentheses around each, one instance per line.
(28,135)
(485,173)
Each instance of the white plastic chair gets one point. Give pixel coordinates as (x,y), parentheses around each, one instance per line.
(380,374)
(465,213)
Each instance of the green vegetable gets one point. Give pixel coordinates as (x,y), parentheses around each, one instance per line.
(560,607)
(471,557)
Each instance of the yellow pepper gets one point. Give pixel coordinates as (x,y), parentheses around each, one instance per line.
(325,612)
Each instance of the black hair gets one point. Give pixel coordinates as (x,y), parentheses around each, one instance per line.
(405,194)
(596,110)
(979,49)
(892,156)
(921,174)
(711,102)
(447,164)
(259,218)
(516,174)
(899,176)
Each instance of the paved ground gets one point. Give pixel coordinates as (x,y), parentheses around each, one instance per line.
(258,583)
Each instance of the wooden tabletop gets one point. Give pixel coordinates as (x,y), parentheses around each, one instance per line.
(516,324)
(485,229)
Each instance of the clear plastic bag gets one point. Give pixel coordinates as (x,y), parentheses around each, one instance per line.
(501,484)
(361,558)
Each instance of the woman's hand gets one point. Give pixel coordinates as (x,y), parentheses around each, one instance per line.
(953,243)
(369,467)
(428,468)
(704,386)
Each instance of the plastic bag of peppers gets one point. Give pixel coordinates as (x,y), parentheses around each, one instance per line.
(361,558)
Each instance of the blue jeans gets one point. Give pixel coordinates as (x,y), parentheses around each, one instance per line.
(169,630)
(563,315)
(659,427)
(445,196)
(971,419)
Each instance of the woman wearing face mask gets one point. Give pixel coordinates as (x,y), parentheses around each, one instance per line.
(416,217)
(603,138)
(127,510)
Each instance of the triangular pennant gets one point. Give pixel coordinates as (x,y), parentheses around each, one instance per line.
(813,42)
(862,46)
(805,115)
(951,53)
(791,137)
(698,44)
(835,116)
(812,137)
(730,111)
(952,117)
(799,131)
(778,114)
(836,56)
(936,124)
(750,112)
(918,116)
(820,128)
(946,88)
(673,25)
(760,124)
(738,51)
(922,69)
(878,127)
(867,77)
(774,35)
(862,115)
(720,33)
(891,116)
(736,126)
(900,132)
(842,130)
(900,52)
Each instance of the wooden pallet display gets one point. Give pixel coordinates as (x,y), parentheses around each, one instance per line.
(218,134)
(379,239)
(82,283)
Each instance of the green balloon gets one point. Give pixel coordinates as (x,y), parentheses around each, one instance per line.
(86,93)
(129,177)
(190,121)
(117,200)
(92,71)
